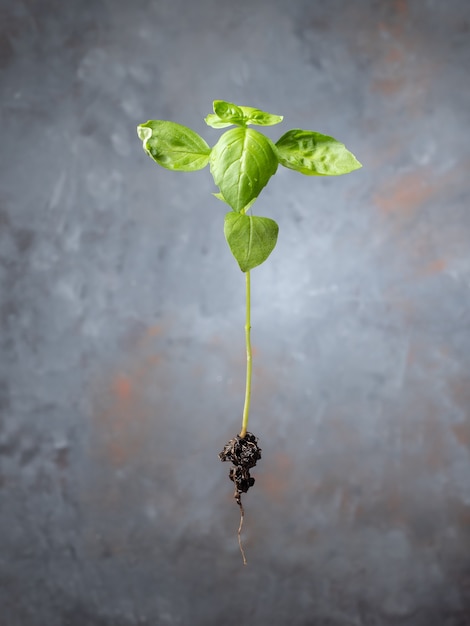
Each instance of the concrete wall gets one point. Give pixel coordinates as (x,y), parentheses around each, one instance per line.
(122,355)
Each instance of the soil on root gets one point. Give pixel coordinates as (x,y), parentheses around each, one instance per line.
(243,453)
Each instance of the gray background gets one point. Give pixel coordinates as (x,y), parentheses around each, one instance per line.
(122,356)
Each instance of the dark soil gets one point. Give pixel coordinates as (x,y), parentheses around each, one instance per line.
(244,454)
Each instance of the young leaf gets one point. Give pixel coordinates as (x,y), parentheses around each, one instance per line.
(251,238)
(315,154)
(174,146)
(241,163)
(214,121)
(260,118)
(227,113)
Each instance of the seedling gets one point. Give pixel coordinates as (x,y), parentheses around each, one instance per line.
(241,163)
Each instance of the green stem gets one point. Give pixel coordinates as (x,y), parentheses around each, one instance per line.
(246,408)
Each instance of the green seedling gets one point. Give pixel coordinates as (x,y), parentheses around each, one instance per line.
(241,163)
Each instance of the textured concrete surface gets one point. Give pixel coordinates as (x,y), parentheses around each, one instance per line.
(122,357)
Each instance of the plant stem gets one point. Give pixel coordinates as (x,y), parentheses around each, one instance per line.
(246,408)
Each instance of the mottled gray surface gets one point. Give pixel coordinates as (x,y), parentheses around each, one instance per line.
(122,357)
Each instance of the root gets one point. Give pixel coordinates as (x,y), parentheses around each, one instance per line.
(243,453)
(242,517)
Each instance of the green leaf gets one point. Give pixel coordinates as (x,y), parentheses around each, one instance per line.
(315,154)
(251,238)
(226,113)
(215,122)
(260,118)
(174,146)
(242,162)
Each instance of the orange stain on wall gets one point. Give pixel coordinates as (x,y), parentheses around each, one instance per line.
(122,387)
(408,192)
(124,415)
(401,7)
(460,394)
(155,330)
(275,482)
(388,86)
(395,56)
(462,433)
(435,267)
(435,450)
(119,434)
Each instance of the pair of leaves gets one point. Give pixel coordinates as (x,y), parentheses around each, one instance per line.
(228,114)
(241,163)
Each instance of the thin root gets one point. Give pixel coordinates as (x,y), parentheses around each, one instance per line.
(242,516)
